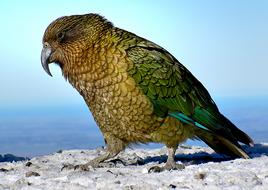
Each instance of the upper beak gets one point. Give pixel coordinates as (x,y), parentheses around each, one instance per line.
(45,57)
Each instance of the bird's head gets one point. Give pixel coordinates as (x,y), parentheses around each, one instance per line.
(66,38)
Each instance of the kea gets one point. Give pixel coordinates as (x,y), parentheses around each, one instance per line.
(136,90)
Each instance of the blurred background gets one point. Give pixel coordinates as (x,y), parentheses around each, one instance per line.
(224,44)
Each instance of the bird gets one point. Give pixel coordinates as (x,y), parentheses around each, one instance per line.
(136,90)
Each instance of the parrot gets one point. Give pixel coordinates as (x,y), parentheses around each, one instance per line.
(136,90)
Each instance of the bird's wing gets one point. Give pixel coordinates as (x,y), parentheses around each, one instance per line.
(167,83)
(174,91)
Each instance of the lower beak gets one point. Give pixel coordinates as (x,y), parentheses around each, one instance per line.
(45,56)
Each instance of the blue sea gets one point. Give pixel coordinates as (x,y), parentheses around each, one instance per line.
(38,130)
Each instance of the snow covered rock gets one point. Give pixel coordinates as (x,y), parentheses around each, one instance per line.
(204,169)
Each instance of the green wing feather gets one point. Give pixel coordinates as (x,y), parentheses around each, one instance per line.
(174,91)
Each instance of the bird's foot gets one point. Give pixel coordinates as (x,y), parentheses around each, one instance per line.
(110,163)
(94,164)
(167,166)
(173,166)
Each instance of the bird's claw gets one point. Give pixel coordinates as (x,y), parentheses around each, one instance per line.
(168,166)
(174,166)
(94,164)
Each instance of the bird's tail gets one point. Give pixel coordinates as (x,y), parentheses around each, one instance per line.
(220,144)
(217,123)
(217,131)
(240,135)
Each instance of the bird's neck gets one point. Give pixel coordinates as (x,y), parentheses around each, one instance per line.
(99,67)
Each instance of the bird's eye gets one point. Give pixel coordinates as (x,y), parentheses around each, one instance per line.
(60,36)
(45,45)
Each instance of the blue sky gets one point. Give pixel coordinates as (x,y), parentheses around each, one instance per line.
(223,43)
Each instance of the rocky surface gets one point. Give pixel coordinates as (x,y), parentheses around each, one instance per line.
(204,169)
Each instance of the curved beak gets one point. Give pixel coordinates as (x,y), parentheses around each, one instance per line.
(45,57)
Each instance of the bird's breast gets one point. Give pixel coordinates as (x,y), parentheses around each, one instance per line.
(120,107)
(117,103)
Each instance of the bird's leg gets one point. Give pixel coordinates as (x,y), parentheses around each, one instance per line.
(114,146)
(170,164)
